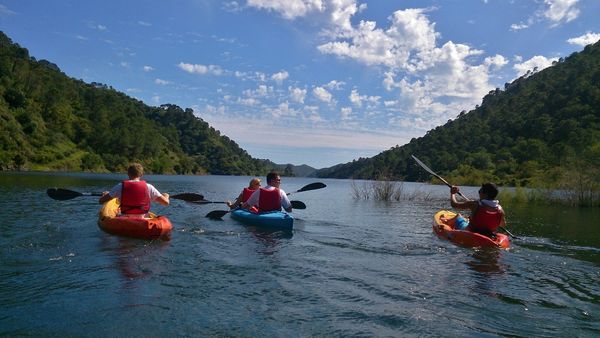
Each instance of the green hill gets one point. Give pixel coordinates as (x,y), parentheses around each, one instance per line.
(49,121)
(543,128)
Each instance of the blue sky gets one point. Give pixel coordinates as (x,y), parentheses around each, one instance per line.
(316,82)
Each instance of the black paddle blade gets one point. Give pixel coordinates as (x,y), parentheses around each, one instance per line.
(188,197)
(62,194)
(312,186)
(298,205)
(217,214)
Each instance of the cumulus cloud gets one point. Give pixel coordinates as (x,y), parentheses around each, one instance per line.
(357,100)
(322,94)
(335,85)
(536,63)
(559,11)
(260,91)
(297,94)
(289,9)
(200,69)
(345,113)
(280,76)
(584,40)
(148,68)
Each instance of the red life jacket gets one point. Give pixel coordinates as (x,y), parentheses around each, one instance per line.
(247,193)
(269,200)
(486,220)
(135,198)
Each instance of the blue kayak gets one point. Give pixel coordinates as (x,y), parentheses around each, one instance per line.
(274,219)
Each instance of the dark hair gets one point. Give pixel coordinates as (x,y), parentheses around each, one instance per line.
(135,170)
(271,176)
(490,190)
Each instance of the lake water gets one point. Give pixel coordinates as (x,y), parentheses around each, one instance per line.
(350,268)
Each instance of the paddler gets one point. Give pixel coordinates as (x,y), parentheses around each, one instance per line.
(486,213)
(245,194)
(271,197)
(134,194)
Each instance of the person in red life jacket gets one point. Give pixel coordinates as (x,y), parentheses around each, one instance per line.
(486,213)
(134,194)
(269,198)
(245,194)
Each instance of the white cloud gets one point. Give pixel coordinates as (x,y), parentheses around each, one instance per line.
(345,113)
(243,130)
(297,94)
(322,94)
(248,101)
(260,91)
(125,64)
(280,76)
(289,9)
(496,61)
(559,11)
(335,85)
(517,27)
(156,99)
(148,68)
(536,63)
(200,69)
(161,82)
(357,99)
(144,23)
(282,110)
(584,40)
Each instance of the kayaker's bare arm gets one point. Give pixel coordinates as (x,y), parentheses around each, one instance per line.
(105,197)
(468,204)
(163,199)
(236,203)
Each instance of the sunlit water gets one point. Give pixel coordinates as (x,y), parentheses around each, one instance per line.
(350,268)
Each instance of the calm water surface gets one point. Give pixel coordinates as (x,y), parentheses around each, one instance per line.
(350,268)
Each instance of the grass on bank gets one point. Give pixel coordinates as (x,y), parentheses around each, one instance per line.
(386,190)
(582,193)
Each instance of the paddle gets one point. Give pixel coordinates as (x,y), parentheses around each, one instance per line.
(312,186)
(65,194)
(450,186)
(217,214)
(295,204)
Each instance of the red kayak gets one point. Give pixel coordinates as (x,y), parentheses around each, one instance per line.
(443,226)
(132,226)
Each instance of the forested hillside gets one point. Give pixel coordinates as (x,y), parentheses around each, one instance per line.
(49,121)
(542,128)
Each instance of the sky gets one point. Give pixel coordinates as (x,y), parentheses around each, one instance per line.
(316,82)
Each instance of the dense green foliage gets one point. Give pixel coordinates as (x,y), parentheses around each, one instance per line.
(543,129)
(49,121)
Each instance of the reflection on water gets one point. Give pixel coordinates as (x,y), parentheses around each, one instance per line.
(271,240)
(486,260)
(350,268)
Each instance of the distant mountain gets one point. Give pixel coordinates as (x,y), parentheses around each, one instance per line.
(543,126)
(291,170)
(49,121)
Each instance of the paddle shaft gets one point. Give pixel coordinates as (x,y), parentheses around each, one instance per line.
(66,194)
(450,186)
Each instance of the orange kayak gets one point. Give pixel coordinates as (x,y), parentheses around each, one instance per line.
(443,226)
(132,226)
